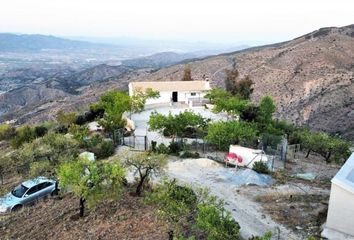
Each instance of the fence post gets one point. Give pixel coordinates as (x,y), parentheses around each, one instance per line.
(146,143)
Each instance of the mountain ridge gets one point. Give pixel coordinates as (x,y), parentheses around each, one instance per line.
(10,42)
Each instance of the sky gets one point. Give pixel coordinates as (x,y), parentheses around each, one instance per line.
(224,21)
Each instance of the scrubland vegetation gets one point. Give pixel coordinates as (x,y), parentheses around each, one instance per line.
(52,149)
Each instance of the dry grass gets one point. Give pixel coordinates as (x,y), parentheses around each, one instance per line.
(303,213)
(127,218)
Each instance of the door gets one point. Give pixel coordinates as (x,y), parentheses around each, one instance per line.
(174,96)
(30,195)
(44,189)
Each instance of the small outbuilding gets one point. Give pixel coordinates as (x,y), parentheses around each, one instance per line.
(340,224)
(173,91)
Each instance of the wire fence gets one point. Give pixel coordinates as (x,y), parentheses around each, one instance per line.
(276,148)
(136,142)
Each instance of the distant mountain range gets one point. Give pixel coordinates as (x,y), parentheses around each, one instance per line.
(25,42)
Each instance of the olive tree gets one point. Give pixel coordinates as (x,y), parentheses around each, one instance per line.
(91,181)
(327,146)
(223,134)
(145,165)
(115,103)
(175,125)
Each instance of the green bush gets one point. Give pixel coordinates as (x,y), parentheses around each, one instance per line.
(175,147)
(40,131)
(23,134)
(266,236)
(222,134)
(79,132)
(216,222)
(187,154)
(41,168)
(104,149)
(162,149)
(295,137)
(197,211)
(175,125)
(331,148)
(175,202)
(261,167)
(6,132)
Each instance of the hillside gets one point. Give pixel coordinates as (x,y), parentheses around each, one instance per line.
(158,60)
(311,77)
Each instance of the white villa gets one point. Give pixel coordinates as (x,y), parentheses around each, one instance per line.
(340,224)
(188,92)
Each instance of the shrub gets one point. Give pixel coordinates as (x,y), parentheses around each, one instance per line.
(174,147)
(23,134)
(261,167)
(295,137)
(204,214)
(266,236)
(175,202)
(40,131)
(249,113)
(187,154)
(270,140)
(103,149)
(66,119)
(266,109)
(175,125)
(41,168)
(6,132)
(162,149)
(153,146)
(79,132)
(61,129)
(222,134)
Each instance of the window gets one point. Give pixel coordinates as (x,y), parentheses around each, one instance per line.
(44,185)
(193,94)
(19,191)
(32,190)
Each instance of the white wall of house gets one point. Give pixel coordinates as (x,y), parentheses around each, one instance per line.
(165,97)
(341,210)
(340,215)
(182,96)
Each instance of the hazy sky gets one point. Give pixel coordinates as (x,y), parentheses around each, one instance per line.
(192,20)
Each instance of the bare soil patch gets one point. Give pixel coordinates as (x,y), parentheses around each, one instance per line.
(57,218)
(303,213)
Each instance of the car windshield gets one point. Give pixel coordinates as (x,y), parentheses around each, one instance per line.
(19,191)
